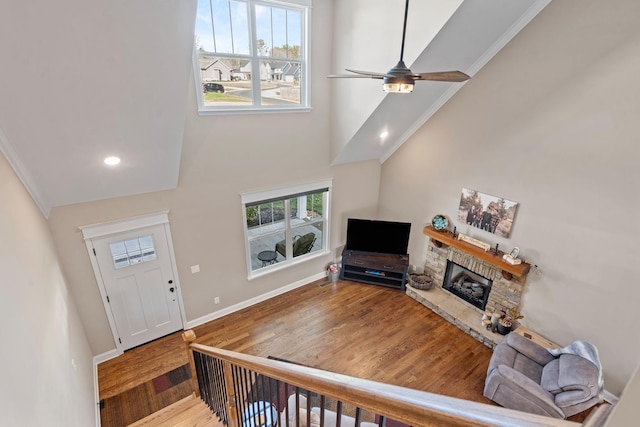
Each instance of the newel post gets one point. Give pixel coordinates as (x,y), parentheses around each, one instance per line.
(188,337)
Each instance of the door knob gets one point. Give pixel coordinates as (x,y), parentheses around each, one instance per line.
(172,289)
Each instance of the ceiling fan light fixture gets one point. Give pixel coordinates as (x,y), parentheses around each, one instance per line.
(398,87)
(398,79)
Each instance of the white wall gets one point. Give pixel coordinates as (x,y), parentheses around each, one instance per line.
(625,413)
(46,359)
(552,123)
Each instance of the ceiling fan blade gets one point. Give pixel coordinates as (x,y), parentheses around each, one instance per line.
(351,76)
(368,73)
(443,76)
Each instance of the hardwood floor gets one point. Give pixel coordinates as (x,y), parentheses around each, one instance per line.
(356,329)
(360,330)
(140,365)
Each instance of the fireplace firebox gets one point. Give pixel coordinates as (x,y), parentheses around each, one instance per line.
(467,285)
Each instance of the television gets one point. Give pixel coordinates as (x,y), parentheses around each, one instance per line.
(386,237)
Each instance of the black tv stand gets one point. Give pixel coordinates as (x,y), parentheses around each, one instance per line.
(375,268)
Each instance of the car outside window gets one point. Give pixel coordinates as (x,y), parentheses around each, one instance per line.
(251,55)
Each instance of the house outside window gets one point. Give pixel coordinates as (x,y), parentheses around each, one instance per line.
(252,55)
(286,226)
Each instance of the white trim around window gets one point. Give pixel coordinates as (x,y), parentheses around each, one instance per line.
(252,56)
(285,226)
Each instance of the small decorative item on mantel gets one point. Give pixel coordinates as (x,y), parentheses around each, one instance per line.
(440,222)
(475,242)
(512,258)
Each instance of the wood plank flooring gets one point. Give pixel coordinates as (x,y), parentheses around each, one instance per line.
(141,364)
(361,330)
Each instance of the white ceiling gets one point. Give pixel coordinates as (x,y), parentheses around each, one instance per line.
(84,79)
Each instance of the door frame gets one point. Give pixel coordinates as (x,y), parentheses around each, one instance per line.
(89,232)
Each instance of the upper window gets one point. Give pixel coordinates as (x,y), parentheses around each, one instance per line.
(286,225)
(251,55)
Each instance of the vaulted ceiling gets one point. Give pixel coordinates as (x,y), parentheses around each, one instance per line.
(84,79)
(472,34)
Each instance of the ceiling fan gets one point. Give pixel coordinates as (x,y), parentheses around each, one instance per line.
(401,79)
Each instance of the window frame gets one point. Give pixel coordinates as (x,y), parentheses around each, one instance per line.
(285,194)
(304,6)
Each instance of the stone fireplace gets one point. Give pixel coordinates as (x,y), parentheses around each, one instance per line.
(504,289)
(466,284)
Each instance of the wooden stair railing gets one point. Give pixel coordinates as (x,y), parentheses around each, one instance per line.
(227,381)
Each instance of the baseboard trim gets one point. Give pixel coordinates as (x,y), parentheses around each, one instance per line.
(255,300)
(96,392)
(105,356)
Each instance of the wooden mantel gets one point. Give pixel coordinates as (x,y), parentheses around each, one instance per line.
(508,270)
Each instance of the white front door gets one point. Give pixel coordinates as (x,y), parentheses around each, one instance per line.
(140,287)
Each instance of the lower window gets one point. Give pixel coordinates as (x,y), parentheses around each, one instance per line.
(284,226)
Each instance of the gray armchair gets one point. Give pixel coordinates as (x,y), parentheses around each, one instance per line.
(523,375)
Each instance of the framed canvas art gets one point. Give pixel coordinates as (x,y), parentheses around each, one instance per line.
(486,212)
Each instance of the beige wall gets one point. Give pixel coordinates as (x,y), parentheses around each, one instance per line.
(222,157)
(625,413)
(48,369)
(552,123)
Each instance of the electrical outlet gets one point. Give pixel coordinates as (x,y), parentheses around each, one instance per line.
(216,300)
(195,268)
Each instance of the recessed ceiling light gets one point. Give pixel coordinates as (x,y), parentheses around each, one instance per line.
(384,134)
(112,160)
